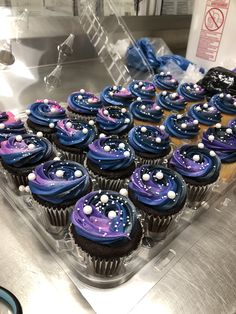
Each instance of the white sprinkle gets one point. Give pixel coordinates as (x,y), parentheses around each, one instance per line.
(188,87)
(91,122)
(39,134)
(27,111)
(121,145)
(162,127)
(59,173)
(146,177)
(31,146)
(139,99)
(221,95)
(87,209)
(143,107)
(104,198)
(114,87)
(27,189)
(82,91)
(21,188)
(80,97)
(205,105)
(112,214)
(56,158)
(212,153)
(159,175)
(200,145)
(53,109)
(140,83)
(19,138)
(143,129)
(90,100)
(45,101)
(143,88)
(85,131)
(106,112)
(164,93)
(162,73)
(101,135)
(158,139)
(171,195)
(123,110)
(107,148)
(196,158)
(211,138)
(135,86)
(51,125)
(126,154)
(127,120)
(168,73)
(123,192)
(198,108)
(68,124)
(229,131)
(78,173)
(228,96)
(31,176)
(2,126)
(218,125)
(183,125)
(179,116)
(195,121)
(111,93)
(174,95)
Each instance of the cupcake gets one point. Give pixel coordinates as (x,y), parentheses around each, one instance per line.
(226,104)
(114,120)
(146,111)
(21,153)
(181,127)
(56,186)
(150,143)
(206,114)
(43,116)
(171,102)
(232,125)
(111,161)
(72,138)
(143,89)
(191,92)
(159,193)
(83,105)
(165,82)
(116,96)
(10,125)
(106,231)
(199,166)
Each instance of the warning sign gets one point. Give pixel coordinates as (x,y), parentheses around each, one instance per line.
(212,29)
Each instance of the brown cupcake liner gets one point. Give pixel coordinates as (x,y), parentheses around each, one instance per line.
(73,115)
(104,183)
(158,224)
(197,194)
(78,157)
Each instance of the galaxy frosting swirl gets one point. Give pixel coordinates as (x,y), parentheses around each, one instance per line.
(223,141)
(110,153)
(146,110)
(45,112)
(10,125)
(206,114)
(105,217)
(116,96)
(197,164)
(181,126)
(158,188)
(149,140)
(114,120)
(165,81)
(232,125)
(143,89)
(191,92)
(84,102)
(59,181)
(25,150)
(75,133)
(171,101)
(225,103)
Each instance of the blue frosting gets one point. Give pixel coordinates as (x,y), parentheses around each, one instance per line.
(44,112)
(146,110)
(206,114)
(75,133)
(143,89)
(84,102)
(191,92)
(149,139)
(165,81)
(116,96)
(120,155)
(224,103)
(51,188)
(171,101)
(181,127)
(114,120)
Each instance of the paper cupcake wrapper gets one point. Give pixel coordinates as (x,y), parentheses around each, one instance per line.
(78,157)
(197,194)
(73,115)
(18,179)
(102,266)
(158,224)
(155,161)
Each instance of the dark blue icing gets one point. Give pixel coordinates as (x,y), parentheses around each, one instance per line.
(224,103)
(171,101)
(143,89)
(182,126)
(116,96)
(154,192)
(120,155)
(20,154)
(232,125)
(191,92)
(10,126)
(44,112)
(84,102)
(75,133)
(206,114)
(146,110)
(114,120)
(165,81)
(51,188)
(149,139)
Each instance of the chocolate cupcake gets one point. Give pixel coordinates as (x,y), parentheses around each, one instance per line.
(116,96)
(56,186)
(171,102)
(43,116)
(143,89)
(83,105)
(165,82)
(181,127)
(106,231)
(20,154)
(146,110)
(10,125)
(159,193)
(226,104)
(150,143)
(200,168)
(205,113)
(114,120)
(110,161)
(72,138)
(192,92)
